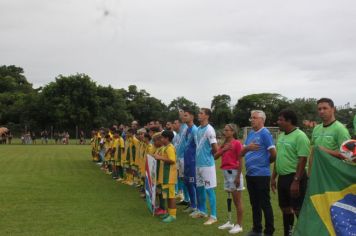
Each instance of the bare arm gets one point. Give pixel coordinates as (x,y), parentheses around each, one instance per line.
(214,148)
(273,154)
(294,188)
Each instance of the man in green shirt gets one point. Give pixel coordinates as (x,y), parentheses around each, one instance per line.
(330,134)
(293,149)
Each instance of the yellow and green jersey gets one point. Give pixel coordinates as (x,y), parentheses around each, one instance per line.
(119,146)
(158,151)
(131,145)
(290,147)
(168,172)
(330,136)
(107,146)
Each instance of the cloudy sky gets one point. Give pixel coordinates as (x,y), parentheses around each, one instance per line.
(191,48)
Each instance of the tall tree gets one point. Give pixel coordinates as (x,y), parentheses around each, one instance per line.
(270,103)
(143,107)
(221,111)
(177,104)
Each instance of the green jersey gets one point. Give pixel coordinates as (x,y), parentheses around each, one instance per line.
(330,136)
(355,125)
(290,147)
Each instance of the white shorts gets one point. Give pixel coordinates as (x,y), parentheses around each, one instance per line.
(180,167)
(206,176)
(229,181)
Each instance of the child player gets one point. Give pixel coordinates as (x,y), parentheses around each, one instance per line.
(168,173)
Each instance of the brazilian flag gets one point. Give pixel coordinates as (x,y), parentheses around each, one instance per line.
(329,206)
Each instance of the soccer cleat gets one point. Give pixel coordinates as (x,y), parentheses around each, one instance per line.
(160,211)
(236,229)
(227,225)
(210,221)
(164,216)
(169,219)
(183,203)
(179,197)
(198,214)
(119,179)
(189,210)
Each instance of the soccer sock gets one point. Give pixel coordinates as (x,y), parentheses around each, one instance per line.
(192,195)
(162,202)
(172,212)
(201,199)
(180,185)
(288,221)
(185,192)
(121,172)
(229,201)
(212,201)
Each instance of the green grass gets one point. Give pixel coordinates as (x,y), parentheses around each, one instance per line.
(57,190)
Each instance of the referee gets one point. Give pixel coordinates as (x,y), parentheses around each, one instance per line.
(293,148)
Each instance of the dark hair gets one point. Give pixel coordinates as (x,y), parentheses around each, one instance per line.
(146,135)
(189,110)
(168,134)
(154,129)
(119,132)
(289,115)
(206,111)
(131,131)
(327,100)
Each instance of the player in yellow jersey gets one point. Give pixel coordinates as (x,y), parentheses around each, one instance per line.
(157,150)
(149,149)
(119,155)
(115,149)
(94,148)
(130,168)
(108,154)
(168,174)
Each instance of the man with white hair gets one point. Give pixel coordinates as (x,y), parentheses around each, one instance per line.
(259,151)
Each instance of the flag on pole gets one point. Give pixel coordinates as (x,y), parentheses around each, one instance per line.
(150,183)
(329,206)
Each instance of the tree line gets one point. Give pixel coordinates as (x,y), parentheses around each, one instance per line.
(76,100)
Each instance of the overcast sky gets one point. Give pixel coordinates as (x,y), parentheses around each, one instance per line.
(196,49)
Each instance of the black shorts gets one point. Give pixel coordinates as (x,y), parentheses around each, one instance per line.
(284,197)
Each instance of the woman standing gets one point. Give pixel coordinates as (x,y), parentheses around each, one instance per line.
(231,164)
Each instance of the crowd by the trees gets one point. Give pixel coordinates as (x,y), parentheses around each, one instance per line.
(77,102)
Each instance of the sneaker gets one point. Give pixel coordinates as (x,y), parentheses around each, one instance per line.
(227,225)
(99,163)
(189,210)
(236,229)
(169,219)
(119,179)
(160,211)
(210,221)
(194,212)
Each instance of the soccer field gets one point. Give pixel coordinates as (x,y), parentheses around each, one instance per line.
(57,190)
